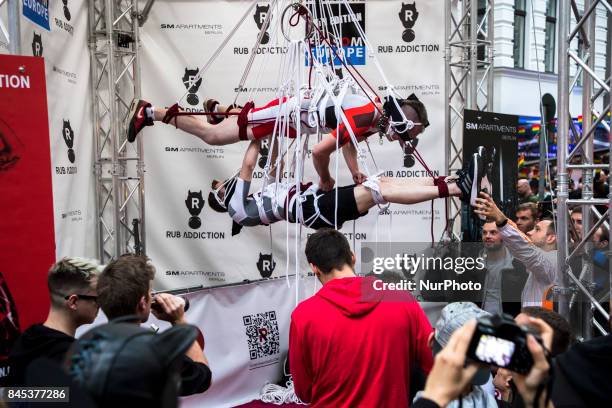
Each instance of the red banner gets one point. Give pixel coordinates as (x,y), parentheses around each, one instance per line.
(27,244)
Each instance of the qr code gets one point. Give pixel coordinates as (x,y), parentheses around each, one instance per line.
(262,334)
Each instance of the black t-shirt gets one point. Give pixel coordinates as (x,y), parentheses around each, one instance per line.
(195,377)
(36,342)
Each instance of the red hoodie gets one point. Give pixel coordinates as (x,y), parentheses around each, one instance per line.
(345,351)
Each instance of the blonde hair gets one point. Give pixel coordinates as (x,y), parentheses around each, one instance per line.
(71,274)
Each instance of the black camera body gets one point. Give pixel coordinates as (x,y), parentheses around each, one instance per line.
(158,308)
(499,341)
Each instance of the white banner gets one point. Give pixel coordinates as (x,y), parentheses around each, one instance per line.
(66,54)
(246,331)
(407,40)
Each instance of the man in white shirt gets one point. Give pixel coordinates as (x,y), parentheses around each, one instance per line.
(537,251)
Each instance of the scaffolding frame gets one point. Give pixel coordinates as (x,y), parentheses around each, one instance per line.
(119,167)
(576,301)
(469,55)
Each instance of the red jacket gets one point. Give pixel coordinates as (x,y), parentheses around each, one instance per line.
(346,351)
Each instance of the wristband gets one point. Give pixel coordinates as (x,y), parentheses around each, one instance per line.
(502,224)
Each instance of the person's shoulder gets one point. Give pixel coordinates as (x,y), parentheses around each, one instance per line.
(305,308)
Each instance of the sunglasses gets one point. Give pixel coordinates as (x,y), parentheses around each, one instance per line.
(84,297)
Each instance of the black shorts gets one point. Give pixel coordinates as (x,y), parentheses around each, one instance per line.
(347,207)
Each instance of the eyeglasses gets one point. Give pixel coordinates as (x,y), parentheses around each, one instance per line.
(84,297)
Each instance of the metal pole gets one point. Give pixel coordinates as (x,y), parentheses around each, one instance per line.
(562,138)
(96,144)
(137,92)
(14,27)
(447,103)
(473,77)
(491,55)
(610,171)
(116,166)
(586,275)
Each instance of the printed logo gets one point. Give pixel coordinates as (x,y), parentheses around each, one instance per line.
(8,145)
(408,15)
(263,152)
(206,29)
(260,16)
(66,10)
(352,43)
(266,265)
(73,215)
(195,204)
(192,87)
(68,135)
(263,337)
(37,45)
(409,147)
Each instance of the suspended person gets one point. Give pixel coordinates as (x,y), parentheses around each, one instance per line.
(397,119)
(320,209)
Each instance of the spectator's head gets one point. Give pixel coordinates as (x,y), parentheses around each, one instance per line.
(522,187)
(452,317)
(544,235)
(601,238)
(491,238)
(577,220)
(562,334)
(72,287)
(526,217)
(328,253)
(124,287)
(534,184)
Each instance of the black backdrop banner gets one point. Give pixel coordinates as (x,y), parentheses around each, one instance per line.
(497,133)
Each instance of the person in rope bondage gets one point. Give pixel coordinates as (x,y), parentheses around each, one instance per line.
(318,209)
(398,119)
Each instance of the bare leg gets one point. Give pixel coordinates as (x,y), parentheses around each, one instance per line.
(224,133)
(413,181)
(400,193)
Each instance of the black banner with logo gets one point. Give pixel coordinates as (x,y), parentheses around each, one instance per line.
(494,137)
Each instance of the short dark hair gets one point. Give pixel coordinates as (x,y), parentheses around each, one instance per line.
(418,107)
(551,226)
(123,283)
(562,333)
(531,207)
(328,249)
(70,275)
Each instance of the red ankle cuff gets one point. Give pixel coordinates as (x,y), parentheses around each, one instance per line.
(442,186)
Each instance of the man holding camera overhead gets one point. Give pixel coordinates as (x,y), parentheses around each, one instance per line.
(538,251)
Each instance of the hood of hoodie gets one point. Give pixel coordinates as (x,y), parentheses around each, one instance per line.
(588,368)
(354,296)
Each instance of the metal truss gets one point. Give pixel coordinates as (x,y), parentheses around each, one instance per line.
(10,30)
(119,169)
(469,34)
(576,301)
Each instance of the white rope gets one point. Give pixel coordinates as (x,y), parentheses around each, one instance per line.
(278,395)
(247,70)
(217,52)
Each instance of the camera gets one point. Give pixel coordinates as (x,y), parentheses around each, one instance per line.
(499,341)
(158,308)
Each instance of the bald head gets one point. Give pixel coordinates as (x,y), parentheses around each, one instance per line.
(523,188)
